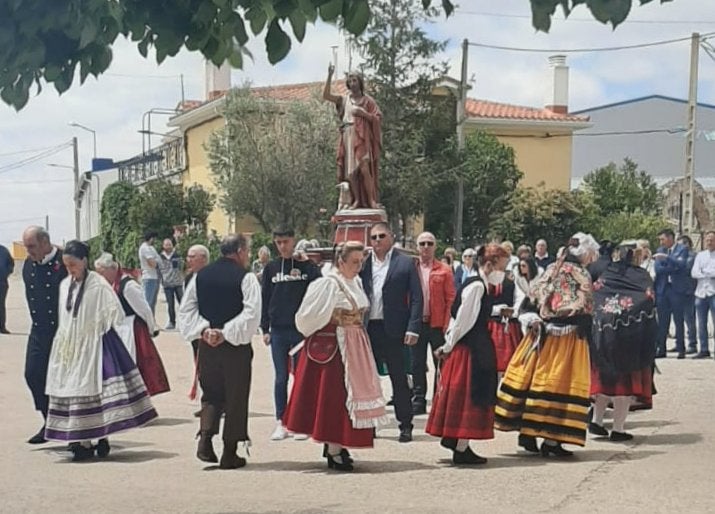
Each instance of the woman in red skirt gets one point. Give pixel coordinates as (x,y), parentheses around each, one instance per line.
(622,350)
(463,406)
(138,327)
(336,397)
(504,328)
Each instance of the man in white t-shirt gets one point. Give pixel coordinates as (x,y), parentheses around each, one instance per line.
(148,261)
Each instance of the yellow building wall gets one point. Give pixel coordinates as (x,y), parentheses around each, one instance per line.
(542,160)
(198,172)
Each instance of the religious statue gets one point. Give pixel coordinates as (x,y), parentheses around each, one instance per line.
(360,140)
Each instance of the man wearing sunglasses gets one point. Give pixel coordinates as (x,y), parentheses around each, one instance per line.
(438,293)
(393,285)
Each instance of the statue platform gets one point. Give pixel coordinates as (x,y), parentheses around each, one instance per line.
(355,224)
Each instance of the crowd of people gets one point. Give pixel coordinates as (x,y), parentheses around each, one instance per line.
(519,340)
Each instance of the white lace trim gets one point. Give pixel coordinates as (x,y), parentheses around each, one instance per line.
(628,321)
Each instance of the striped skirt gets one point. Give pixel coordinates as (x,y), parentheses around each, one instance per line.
(545,393)
(123,403)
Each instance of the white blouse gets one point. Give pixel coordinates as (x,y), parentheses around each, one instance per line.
(323,297)
(466,317)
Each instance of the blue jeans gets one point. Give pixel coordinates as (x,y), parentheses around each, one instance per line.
(702,306)
(151,291)
(689,317)
(282,340)
(670,304)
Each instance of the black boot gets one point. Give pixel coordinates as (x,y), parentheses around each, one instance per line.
(229,458)
(528,442)
(205,451)
(103,448)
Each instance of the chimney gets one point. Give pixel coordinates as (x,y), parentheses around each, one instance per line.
(558,95)
(217,80)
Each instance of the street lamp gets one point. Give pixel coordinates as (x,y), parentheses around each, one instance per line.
(94,134)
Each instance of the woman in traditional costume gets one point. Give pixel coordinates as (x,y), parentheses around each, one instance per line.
(93,385)
(623,349)
(546,388)
(139,325)
(463,405)
(503,324)
(336,397)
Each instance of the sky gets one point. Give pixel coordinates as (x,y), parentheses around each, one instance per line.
(113,104)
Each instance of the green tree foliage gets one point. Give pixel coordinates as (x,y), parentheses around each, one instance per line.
(47,42)
(624,188)
(275,161)
(129,211)
(400,68)
(490,178)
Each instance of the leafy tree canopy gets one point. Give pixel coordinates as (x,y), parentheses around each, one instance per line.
(46,42)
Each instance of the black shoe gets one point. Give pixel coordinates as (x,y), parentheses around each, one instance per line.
(102,448)
(405,435)
(205,451)
(391,402)
(691,351)
(448,442)
(596,429)
(620,436)
(338,463)
(701,355)
(344,453)
(229,460)
(419,408)
(467,457)
(660,355)
(556,450)
(81,453)
(38,438)
(681,355)
(528,442)
(4,331)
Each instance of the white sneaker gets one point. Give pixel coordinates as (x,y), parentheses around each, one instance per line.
(279,433)
(300,437)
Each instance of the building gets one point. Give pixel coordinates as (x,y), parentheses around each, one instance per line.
(541,137)
(648,130)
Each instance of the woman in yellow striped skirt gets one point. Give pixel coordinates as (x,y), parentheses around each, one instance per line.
(546,387)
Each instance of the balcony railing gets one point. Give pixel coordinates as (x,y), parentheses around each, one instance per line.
(164,161)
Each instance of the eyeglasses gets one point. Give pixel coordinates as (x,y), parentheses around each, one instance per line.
(426,243)
(375,237)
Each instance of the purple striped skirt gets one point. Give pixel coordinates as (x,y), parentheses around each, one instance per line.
(123,403)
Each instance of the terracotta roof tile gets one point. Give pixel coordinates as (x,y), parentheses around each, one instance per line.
(494,110)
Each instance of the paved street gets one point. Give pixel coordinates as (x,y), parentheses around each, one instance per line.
(668,467)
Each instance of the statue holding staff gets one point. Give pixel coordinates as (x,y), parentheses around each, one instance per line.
(360,140)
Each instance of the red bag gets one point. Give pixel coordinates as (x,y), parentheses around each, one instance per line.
(322,346)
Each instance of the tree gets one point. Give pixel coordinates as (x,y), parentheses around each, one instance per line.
(274,161)
(45,42)
(118,236)
(198,204)
(623,189)
(490,177)
(159,208)
(400,70)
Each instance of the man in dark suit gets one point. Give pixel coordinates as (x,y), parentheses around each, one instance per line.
(393,285)
(672,281)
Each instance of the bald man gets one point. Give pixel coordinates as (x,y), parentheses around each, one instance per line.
(438,293)
(42,273)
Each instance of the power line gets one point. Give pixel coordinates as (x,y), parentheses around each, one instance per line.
(28,150)
(51,181)
(678,130)
(582,50)
(34,158)
(589,20)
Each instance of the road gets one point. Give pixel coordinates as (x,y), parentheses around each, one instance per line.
(668,467)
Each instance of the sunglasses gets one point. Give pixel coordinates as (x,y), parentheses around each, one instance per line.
(426,243)
(376,237)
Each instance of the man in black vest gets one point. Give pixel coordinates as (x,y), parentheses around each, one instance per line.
(42,273)
(222,307)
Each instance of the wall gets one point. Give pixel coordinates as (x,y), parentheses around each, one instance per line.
(541,159)
(660,154)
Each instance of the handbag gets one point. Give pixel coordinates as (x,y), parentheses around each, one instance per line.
(322,346)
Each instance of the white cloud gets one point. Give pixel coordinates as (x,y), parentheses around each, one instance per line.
(113,105)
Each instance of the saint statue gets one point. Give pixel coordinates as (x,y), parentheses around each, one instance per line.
(360,140)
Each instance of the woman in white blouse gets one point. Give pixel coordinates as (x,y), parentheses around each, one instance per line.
(463,406)
(336,398)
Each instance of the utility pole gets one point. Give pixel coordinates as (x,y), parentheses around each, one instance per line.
(461,101)
(75,168)
(689,185)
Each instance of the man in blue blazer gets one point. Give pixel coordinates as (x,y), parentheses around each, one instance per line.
(393,285)
(672,281)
